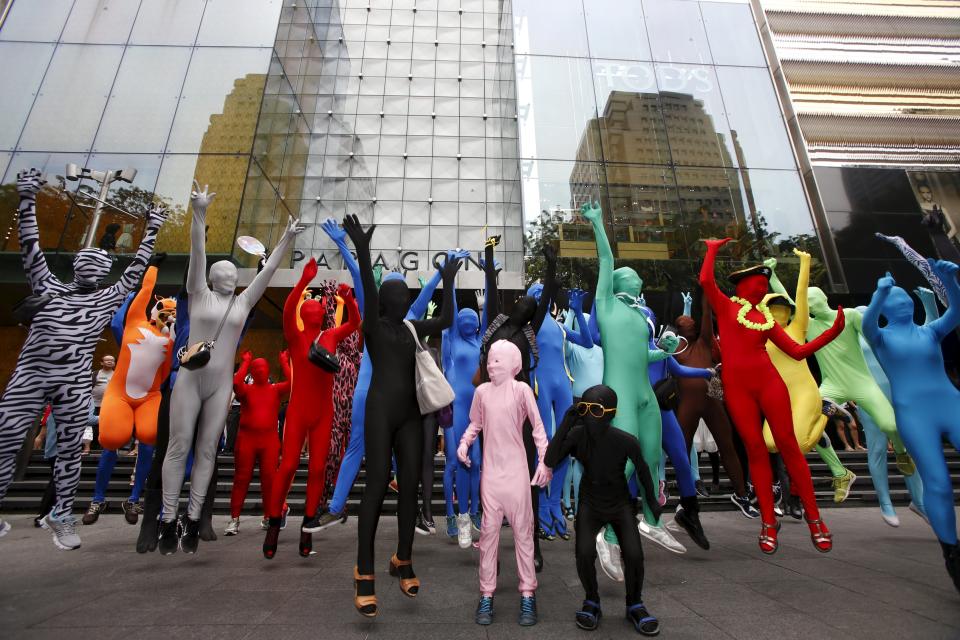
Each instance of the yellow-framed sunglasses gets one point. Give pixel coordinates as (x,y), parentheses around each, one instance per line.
(595,409)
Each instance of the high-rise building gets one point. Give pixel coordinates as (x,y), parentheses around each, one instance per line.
(872,89)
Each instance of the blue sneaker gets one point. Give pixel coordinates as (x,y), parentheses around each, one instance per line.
(484,614)
(528,611)
(452,529)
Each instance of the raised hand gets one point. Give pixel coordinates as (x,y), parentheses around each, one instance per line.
(803,255)
(492,241)
(201,199)
(29,182)
(886,283)
(687,297)
(293,227)
(284,358)
(770,263)
(156,216)
(344,291)
(576,299)
(333,230)
(481,299)
(497,267)
(591,211)
(246,356)
(353,228)
(431,309)
(310,269)
(450,268)
(715,243)
(924,294)
(669,343)
(157,259)
(944,268)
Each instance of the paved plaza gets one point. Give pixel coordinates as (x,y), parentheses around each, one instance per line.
(878,582)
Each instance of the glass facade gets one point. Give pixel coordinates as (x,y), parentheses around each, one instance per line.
(665,111)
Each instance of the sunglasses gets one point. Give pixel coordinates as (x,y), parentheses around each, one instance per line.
(595,409)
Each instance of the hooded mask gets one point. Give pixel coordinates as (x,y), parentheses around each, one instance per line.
(223,277)
(90,266)
(468,323)
(596,428)
(260,371)
(503,362)
(394,299)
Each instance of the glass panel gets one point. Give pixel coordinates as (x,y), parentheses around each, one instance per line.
(38,21)
(549,27)
(239,23)
(616,30)
(71,99)
(24,64)
(779,207)
(164,22)
(630,124)
(220,101)
(676,31)
(60,223)
(733,34)
(693,113)
(555,102)
(100,21)
(144,98)
(756,125)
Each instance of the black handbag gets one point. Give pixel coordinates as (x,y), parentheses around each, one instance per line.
(198,354)
(320,356)
(668,393)
(26,310)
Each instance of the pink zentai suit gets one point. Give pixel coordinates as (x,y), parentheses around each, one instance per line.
(499,409)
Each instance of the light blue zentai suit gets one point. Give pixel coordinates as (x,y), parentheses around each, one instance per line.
(353,456)
(926,403)
(461,357)
(586,368)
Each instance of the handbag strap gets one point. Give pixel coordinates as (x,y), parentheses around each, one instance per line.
(416,338)
(223,319)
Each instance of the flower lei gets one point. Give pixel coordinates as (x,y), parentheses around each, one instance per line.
(745,306)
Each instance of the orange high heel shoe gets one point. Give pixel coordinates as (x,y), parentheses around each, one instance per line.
(769,544)
(822,538)
(366,605)
(409,586)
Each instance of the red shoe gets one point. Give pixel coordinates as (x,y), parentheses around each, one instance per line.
(769,543)
(820,535)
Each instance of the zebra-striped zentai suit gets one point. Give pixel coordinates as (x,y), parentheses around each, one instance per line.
(55,361)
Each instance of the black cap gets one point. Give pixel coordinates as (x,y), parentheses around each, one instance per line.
(756,270)
(780,299)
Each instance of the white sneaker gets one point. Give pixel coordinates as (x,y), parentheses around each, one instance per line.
(264,523)
(661,536)
(920,514)
(672,526)
(4,527)
(464,532)
(891,520)
(609,555)
(233,528)
(64,532)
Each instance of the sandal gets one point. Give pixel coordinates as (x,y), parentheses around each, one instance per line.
(588,618)
(366,605)
(642,621)
(409,586)
(769,544)
(822,538)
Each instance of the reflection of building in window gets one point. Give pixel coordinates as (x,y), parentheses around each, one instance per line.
(648,204)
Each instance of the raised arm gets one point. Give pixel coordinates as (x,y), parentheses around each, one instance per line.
(260,282)
(708,281)
(680,371)
(564,441)
(706,322)
(241,374)
(342,332)
(339,237)
(579,334)
(798,351)
(419,307)
(283,387)
(134,271)
(434,326)
(120,319)
(594,214)
(801,315)
(947,271)
(34,263)
(292,303)
(492,302)
(197,267)
(592,324)
(138,307)
(361,242)
(549,289)
(929,301)
(687,303)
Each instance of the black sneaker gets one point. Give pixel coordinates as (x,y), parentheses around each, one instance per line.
(642,621)
(421,526)
(544,534)
(743,503)
(951,558)
(94,511)
(190,539)
(484,613)
(322,520)
(149,536)
(794,508)
(169,539)
(688,517)
(131,511)
(702,490)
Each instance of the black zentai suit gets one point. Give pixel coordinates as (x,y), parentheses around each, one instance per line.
(511,332)
(604,497)
(393,423)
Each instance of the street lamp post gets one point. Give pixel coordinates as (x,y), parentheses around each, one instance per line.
(105,179)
